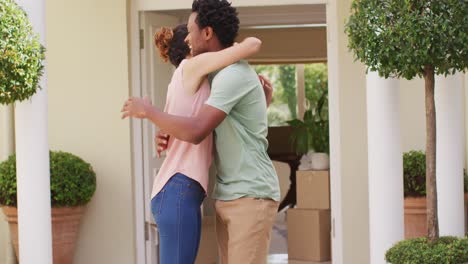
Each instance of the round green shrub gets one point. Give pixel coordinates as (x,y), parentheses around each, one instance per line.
(414,173)
(21,55)
(72,180)
(445,250)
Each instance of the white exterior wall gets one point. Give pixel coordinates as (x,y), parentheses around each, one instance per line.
(353,149)
(413,115)
(88,83)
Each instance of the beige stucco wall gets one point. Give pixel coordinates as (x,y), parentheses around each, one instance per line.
(88,83)
(2,133)
(413,115)
(353,139)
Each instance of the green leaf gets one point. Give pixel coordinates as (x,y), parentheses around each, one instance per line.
(72,180)
(21,55)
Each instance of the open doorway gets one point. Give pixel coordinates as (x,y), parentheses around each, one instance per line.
(293,35)
(295,60)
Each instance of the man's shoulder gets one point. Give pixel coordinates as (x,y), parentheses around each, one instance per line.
(235,68)
(239,70)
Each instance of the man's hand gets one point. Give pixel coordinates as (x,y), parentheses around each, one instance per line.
(267,88)
(161,140)
(136,107)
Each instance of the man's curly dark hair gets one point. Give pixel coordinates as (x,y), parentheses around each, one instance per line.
(219,15)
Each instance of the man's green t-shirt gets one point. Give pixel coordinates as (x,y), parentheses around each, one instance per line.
(243,166)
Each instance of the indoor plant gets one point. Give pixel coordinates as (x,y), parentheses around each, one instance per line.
(72,184)
(311,135)
(405,39)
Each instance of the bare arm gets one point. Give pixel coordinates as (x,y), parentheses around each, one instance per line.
(190,129)
(196,68)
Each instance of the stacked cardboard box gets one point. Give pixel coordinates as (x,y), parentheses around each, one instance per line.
(309,224)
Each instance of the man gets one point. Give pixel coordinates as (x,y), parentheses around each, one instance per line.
(247,189)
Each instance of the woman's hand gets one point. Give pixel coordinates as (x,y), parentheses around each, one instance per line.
(267,88)
(136,107)
(161,140)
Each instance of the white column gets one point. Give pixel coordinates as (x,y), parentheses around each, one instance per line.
(8,147)
(32,152)
(450,154)
(385,165)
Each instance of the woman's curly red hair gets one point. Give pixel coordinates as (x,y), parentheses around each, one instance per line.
(162,40)
(171,44)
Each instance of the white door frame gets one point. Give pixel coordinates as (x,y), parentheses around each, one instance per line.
(335,141)
(136,6)
(136,134)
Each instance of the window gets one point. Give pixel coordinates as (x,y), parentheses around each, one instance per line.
(297,88)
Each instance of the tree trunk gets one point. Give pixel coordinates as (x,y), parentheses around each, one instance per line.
(431,186)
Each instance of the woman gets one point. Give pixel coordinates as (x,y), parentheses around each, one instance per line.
(181,184)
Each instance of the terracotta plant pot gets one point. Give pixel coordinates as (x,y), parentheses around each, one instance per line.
(65,225)
(415,216)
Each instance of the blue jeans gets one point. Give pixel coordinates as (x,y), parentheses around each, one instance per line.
(176,210)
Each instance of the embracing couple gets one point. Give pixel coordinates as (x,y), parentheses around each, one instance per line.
(216,107)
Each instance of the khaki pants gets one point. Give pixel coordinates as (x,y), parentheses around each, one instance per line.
(243,228)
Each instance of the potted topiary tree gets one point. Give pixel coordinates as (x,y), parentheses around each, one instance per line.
(21,55)
(72,184)
(408,39)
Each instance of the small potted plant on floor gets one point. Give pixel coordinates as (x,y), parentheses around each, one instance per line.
(72,184)
(311,135)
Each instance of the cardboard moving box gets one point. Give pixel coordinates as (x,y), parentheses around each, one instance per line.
(313,189)
(309,234)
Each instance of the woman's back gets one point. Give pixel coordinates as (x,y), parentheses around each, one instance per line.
(183,157)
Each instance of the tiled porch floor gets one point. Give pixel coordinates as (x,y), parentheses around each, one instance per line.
(283,259)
